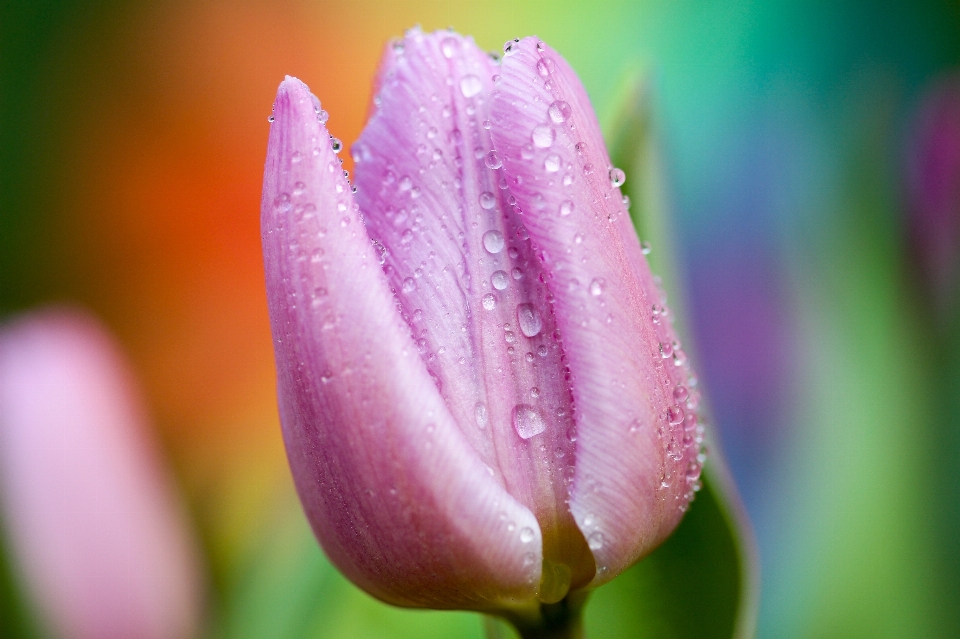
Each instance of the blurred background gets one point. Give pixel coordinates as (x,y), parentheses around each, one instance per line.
(809,163)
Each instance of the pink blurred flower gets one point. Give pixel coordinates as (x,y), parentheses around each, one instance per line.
(96,531)
(483,401)
(933,189)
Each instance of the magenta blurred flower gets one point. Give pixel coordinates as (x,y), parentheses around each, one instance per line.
(483,401)
(933,189)
(96,531)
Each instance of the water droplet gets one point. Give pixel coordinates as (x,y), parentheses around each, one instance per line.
(542,350)
(666,350)
(680,393)
(590,519)
(559,112)
(552,163)
(529,319)
(587,169)
(492,160)
(406,183)
(597,286)
(626,201)
(526,535)
(409,285)
(527,421)
(545,66)
(323,116)
(499,280)
(679,357)
(270,118)
(480,414)
(675,415)
(617,177)
(470,86)
(645,247)
(449,47)
(487,200)
(489,301)
(336,145)
(299,188)
(517,274)
(595,541)
(493,241)
(566,208)
(543,136)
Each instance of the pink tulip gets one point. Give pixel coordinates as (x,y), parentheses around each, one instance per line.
(96,532)
(483,401)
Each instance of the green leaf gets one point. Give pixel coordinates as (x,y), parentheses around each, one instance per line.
(700,584)
(16,619)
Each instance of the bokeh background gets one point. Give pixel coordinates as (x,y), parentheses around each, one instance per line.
(799,144)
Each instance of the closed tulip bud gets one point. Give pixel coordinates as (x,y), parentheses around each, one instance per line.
(483,401)
(96,532)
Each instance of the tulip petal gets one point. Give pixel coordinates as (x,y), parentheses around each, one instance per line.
(397,496)
(100,540)
(435,198)
(633,452)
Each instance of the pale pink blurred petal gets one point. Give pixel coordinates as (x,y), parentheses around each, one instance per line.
(96,529)
(396,494)
(629,377)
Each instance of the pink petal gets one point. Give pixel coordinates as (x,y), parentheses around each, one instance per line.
(396,494)
(97,532)
(435,199)
(630,488)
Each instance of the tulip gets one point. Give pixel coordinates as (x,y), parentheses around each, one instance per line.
(92,521)
(483,401)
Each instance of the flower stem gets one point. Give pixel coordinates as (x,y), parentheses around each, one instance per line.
(561,620)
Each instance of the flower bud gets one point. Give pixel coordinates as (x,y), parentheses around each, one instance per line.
(94,527)
(483,400)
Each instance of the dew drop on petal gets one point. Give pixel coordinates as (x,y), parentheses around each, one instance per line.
(595,541)
(527,421)
(559,112)
(487,200)
(480,414)
(666,350)
(500,280)
(489,301)
(529,319)
(409,285)
(492,160)
(645,247)
(543,136)
(470,86)
(675,415)
(566,208)
(552,163)
(617,177)
(449,47)
(596,286)
(493,241)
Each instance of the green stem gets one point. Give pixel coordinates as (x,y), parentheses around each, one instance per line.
(561,620)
